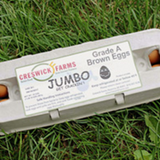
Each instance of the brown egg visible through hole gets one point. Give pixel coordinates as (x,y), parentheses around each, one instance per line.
(3,91)
(154,57)
(156,65)
(2,100)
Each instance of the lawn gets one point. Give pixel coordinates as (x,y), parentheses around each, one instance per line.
(34,26)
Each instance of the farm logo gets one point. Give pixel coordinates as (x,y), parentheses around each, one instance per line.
(45,71)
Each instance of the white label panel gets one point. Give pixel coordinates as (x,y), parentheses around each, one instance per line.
(76,78)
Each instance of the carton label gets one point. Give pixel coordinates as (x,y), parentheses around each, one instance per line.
(77,78)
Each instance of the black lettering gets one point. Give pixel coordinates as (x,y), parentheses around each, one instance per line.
(68,80)
(114,56)
(95,54)
(127,53)
(51,81)
(61,82)
(118,49)
(119,56)
(76,77)
(89,62)
(85,75)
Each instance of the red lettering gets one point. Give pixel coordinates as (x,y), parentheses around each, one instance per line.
(44,71)
(21,77)
(37,73)
(32,73)
(28,75)
(41,72)
(25,76)
(73,64)
(60,67)
(69,65)
(49,70)
(64,66)
(56,67)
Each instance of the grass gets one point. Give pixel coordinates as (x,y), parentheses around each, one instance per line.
(34,26)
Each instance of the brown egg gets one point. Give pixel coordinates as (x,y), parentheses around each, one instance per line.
(156,65)
(154,56)
(3,91)
(2,100)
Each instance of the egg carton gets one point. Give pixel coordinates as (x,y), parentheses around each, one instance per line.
(12,114)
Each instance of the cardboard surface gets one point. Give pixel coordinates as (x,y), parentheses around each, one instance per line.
(12,114)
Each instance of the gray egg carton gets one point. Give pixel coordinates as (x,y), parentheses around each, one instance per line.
(12,115)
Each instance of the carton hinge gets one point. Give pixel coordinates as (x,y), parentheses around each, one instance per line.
(120,98)
(54,114)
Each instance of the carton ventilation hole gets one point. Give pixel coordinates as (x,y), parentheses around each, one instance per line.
(154,58)
(3,93)
(142,64)
(17,92)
